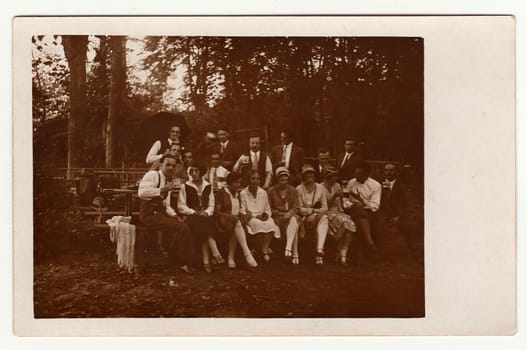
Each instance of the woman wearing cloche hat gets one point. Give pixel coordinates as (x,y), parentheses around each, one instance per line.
(313,208)
(285,208)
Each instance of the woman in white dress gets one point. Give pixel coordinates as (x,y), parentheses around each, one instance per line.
(256,213)
(341,225)
(313,209)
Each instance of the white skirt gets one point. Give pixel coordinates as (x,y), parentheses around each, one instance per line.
(255,226)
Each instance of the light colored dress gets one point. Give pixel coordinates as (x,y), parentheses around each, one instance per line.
(337,218)
(257,206)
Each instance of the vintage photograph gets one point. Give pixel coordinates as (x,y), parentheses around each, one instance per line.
(228,176)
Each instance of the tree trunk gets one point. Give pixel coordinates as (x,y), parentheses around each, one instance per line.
(75,49)
(117,87)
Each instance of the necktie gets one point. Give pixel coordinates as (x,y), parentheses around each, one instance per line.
(254,161)
(222,147)
(346,157)
(284,150)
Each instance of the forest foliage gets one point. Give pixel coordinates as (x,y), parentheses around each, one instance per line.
(323,88)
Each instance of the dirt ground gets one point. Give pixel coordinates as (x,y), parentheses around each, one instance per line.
(86,282)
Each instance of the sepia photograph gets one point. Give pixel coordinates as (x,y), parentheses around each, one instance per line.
(296,173)
(227,176)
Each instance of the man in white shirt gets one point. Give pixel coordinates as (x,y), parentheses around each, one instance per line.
(153,189)
(216,174)
(364,200)
(162,147)
(257,160)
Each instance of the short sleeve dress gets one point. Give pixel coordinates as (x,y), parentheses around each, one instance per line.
(338,220)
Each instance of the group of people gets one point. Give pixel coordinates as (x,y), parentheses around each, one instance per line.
(219,193)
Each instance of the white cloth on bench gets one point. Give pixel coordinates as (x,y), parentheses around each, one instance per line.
(122,232)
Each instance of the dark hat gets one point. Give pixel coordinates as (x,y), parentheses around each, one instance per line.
(330,171)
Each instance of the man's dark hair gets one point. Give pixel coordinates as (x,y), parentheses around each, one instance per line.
(214,153)
(323,150)
(288,132)
(233,177)
(364,166)
(350,138)
(171,156)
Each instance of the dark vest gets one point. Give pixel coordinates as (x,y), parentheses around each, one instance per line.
(164,146)
(153,206)
(261,165)
(193,200)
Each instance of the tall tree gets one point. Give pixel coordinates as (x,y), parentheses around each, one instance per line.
(75,49)
(117,90)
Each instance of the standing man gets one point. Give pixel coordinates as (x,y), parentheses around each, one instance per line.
(347,161)
(256,160)
(289,156)
(162,147)
(203,149)
(321,165)
(227,148)
(153,189)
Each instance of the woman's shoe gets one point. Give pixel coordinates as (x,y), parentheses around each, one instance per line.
(319,260)
(207,268)
(218,260)
(231,264)
(266,257)
(250,260)
(295,260)
(288,254)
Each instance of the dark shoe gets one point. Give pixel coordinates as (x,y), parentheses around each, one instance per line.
(217,260)
(373,251)
(207,268)
(319,259)
(344,262)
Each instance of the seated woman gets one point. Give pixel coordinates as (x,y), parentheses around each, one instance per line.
(227,214)
(313,208)
(196,203)
(256,213)
(285,207)
(341,225)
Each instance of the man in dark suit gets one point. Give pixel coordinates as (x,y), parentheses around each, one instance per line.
(227,148)
(393,202)
(348,161)
(321,164)
(289,155)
